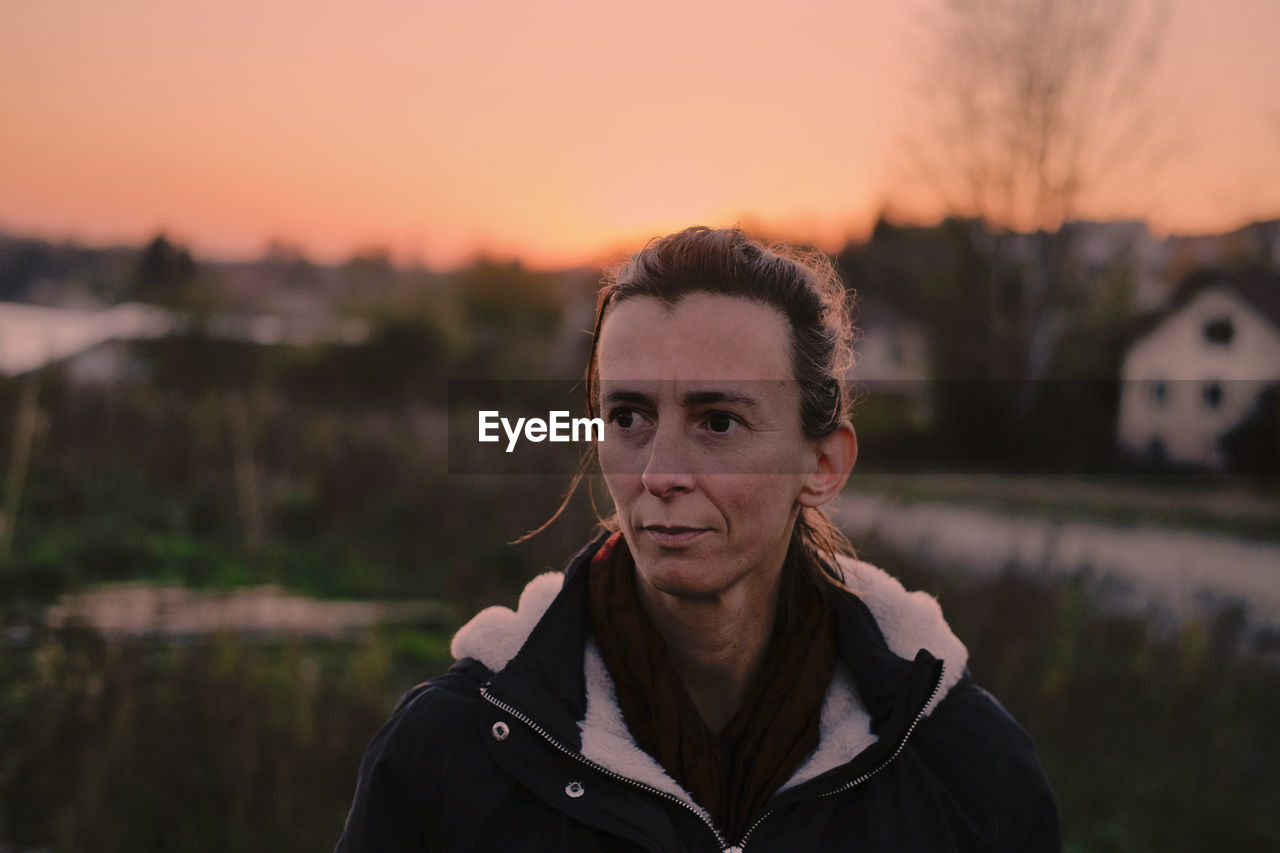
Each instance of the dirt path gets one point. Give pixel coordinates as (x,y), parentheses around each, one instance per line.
(173,612)
(1175,573)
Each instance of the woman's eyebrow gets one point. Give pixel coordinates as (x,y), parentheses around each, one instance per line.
(625,395)
(690,400)
(696,399)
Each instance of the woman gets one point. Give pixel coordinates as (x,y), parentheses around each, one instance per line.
(715,671)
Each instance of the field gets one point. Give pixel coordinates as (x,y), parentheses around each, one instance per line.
(235,467)
(1151,742)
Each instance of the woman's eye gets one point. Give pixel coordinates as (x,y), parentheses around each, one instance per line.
(626,418)
(721,422)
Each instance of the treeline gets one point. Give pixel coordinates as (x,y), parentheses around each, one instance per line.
(1025,338)
(326,466)
(1024,334)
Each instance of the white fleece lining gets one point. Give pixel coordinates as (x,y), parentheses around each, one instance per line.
(495,634)
(607,741)
(910,621)
(844,730)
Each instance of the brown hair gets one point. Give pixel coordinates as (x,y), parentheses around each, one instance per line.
(801,285)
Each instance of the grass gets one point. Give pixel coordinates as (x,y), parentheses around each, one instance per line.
(214,745)
(1151,740)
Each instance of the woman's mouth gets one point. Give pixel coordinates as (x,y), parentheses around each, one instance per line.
(671,536)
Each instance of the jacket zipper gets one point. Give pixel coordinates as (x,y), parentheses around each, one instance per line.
(742,845)
(498,703)
(720,839)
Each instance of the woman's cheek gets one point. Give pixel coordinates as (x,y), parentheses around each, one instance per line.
(621,457)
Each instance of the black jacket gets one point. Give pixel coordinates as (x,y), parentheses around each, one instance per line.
(521,746)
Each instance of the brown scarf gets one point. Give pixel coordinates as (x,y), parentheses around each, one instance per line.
(732,774)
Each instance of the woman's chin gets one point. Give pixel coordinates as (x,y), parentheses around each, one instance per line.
(683,576)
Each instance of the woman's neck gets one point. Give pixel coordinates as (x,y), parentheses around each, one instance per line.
(716,644)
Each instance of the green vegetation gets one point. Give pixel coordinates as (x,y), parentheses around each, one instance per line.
(326,469)
(1151,742)
(218,745)
(323,469)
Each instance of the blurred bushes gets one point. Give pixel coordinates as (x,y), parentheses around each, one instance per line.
(1252,447)
(219,745)
(323,467)
(1152,741)
(142,482)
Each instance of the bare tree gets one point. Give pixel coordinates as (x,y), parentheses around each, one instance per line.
(1032,103)
(1030,106)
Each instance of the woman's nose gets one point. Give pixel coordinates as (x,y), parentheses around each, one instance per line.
(667,469)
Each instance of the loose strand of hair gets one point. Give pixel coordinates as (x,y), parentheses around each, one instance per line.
(584,465)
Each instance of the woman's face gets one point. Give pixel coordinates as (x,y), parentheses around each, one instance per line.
(703,451)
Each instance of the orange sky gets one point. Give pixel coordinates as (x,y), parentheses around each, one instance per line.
(555,131)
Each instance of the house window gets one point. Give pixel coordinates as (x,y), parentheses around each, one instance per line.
(1220,331)
(1212,395)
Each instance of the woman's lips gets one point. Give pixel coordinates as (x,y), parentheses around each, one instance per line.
(673,537)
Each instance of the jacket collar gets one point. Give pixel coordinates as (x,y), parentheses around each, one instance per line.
(547,665)
(536,651)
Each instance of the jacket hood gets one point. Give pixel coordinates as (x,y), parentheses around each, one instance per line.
(908,622)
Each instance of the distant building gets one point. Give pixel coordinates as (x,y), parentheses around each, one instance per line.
(1200,368)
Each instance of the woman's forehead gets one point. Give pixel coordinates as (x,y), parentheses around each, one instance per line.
(703,336)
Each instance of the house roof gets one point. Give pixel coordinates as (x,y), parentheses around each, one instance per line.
(1258,288)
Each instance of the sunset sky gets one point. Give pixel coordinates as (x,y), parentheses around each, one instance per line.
(555,131)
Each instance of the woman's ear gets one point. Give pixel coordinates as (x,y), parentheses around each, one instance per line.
(836,455)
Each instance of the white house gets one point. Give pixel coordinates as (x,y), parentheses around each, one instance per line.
(1200,369)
